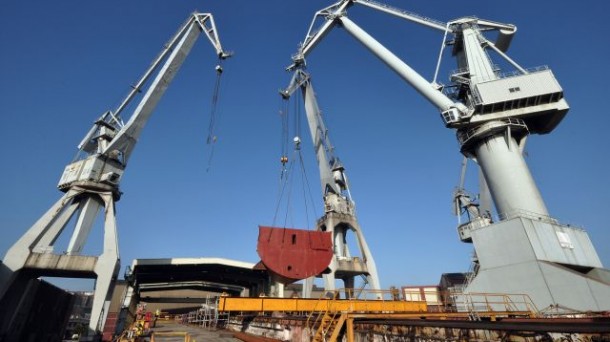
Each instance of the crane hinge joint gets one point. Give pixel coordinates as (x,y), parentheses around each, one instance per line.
(451,116)
(456,115)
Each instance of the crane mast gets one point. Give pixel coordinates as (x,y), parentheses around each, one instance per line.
(91,183)
(340,213)
(493,113)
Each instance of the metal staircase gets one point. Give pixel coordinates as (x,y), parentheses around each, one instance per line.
(330,326)
(329,321)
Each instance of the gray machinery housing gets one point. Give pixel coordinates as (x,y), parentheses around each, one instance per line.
(526,251)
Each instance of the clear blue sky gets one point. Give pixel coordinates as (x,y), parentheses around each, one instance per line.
(63,63)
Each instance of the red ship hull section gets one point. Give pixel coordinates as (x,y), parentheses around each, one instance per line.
(294,254)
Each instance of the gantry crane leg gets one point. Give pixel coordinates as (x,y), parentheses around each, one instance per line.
(32,255)
(344,266)
(106,268)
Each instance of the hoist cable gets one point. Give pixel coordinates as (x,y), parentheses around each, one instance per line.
(289,195)
(286,183)
(284,175)
(211,139)
(305,185)
(297,116)
(285,122)
(282,188)
(284,136)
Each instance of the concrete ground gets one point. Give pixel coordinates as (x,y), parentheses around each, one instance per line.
(197,334)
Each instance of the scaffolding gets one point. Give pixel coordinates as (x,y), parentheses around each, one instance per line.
(208,315)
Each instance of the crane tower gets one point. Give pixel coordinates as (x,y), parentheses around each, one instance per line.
(91,185)
(339,208)
(525,250)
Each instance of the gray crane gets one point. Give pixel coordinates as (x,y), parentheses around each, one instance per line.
(91,183)
(339,208)
(526,251)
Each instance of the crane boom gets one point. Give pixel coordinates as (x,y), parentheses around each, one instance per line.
(177,49)
(315,35)
(450,110)
(400,13)
(110,142)
(331,171)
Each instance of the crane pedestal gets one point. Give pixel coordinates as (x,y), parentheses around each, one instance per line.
(552,263)
(343,266)
(32,255)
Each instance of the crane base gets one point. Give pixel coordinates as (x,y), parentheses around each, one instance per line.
(551,263)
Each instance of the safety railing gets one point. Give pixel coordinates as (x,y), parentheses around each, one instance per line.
(328,317)
(327,301)
(207,316)
(405,301)
(495,302)
(455,300)
(491,126)
(527,214)
(513,73)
